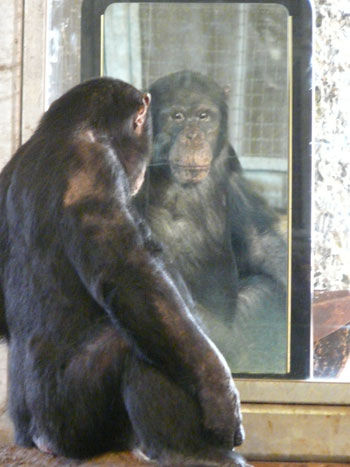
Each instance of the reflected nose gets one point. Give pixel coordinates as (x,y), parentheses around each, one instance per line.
(191,133)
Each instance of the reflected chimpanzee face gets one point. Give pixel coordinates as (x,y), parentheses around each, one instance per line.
(189,126)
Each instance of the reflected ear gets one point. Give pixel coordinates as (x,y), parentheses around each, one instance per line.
(140,116)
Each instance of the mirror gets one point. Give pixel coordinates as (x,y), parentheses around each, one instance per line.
(244,49)
(258,54)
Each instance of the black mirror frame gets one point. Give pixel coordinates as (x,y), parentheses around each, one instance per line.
(302,21)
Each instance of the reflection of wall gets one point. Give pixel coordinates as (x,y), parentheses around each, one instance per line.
(122,51)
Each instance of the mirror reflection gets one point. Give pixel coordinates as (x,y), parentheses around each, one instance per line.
(216,192)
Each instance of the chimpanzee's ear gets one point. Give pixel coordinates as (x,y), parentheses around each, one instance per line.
(140,116)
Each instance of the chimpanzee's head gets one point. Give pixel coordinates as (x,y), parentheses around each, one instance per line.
(189,114)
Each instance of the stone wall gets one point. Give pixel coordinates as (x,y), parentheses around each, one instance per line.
(331,202)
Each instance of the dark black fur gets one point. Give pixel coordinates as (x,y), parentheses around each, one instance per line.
(103,350)
(218,232)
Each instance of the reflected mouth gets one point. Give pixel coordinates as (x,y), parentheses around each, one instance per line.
(191,167)
(189,173)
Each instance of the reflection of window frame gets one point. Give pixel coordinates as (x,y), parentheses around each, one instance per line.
(294,420)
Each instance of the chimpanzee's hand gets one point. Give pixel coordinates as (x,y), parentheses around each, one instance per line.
(219,400)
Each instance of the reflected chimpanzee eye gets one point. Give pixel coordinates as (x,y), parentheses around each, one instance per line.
(178,116)
(204,115)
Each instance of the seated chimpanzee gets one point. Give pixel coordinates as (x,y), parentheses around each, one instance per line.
(103,350)
(220,235)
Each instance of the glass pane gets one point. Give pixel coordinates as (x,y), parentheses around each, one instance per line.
(231,248)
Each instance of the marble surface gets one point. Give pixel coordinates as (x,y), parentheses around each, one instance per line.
(331,193)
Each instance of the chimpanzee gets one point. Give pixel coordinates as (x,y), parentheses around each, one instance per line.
(220,235)
(104,352)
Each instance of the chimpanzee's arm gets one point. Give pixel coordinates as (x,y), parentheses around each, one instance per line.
(103,242)
(258,245)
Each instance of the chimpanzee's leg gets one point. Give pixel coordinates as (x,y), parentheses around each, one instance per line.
(104,397)
(73,394)
(16,399)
